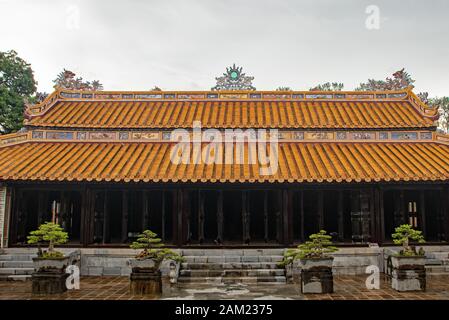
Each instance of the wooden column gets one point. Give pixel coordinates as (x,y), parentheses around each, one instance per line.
(265,215)
(373,225)
(402,207)
(382,215)
(20,216)
(279,202)
(341,225)
(185,215)
(320,210)
(125,215)
(91,217)
(106,223)
(445,211)
(83,220)
(422,209)
(180,217)
(145,210)
(245,218)
(200,216)
(7,217)
(14,216)
(87,219)
(41,207)
(175,215)
(62,214)
(163,195)
(220,217)
(287,216)
(301,208)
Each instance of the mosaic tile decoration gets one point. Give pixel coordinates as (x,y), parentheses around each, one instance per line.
(282,135)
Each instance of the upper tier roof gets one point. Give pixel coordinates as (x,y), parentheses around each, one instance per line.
(232,109)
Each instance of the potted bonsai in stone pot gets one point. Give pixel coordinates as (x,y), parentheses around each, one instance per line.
(315,263)
(408,266)
(49,266)
(145,274)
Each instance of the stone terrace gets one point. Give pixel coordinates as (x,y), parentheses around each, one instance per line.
(117,288)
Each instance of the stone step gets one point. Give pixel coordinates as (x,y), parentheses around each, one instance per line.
(225,259)
(233,252)
(16,264)
(230,265)
(433,262)
(233,273)
(441,269)
(228,280)
(17,257)
(438,255)
(15,277)
(16,271)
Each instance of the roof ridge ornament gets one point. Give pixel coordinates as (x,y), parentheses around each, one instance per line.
(234,79)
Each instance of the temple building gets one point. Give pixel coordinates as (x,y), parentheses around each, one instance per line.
(356,164)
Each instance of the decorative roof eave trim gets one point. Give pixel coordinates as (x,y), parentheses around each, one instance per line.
(34,110)
(442,138)
(15,138)
(40,109)
(422,108)
(284,136)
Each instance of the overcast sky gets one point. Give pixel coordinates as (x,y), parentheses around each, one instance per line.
(185,44)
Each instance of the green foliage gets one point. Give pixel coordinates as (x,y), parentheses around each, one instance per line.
(152,248)
(16,84)
(284,89)
(318,246)
(403,235)
(51,254)
(50,233)
(401,79)
(68,80)
(442,103)
(334,86)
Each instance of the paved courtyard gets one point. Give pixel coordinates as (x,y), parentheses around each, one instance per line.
(116,288)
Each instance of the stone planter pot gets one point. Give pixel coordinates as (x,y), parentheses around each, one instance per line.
(409,273)
(143,265)
(51,265)
(316,275)
(49,275)
(145,277)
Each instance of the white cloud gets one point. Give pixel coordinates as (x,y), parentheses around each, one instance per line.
(178,44)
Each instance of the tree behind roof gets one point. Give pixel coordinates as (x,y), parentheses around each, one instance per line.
(16,85)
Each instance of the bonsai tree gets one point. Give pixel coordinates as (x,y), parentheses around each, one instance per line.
(50,233)
(152,248)
(318,246)
(402,236)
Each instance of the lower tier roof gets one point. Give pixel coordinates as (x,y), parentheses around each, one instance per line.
(297,162)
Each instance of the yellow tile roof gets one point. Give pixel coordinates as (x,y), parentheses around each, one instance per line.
(120,111)
(298,162)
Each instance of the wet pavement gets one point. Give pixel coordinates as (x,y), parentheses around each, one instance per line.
(117,288)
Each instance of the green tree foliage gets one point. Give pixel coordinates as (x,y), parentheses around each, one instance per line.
(403,235)
(284,89)
(334,86)
(16,84)
(400,79)
(442,103)
(152,248)
(50,233)
(68,80)
(318,246)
